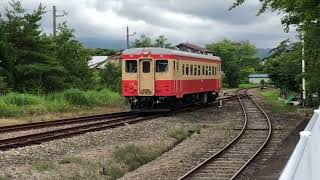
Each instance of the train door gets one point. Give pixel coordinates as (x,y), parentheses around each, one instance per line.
(146,77)
(178,79)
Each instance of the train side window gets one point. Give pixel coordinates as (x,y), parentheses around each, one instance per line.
(178,66)
(213,70)
(161,65)
(146,66)
(210,70)
(203,71)
(131,66)
(206,70)
(183,69)
(191,70)
(174,65)
(187,69)
(195,70)
(199,70)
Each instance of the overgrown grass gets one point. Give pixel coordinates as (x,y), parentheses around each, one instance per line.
(69,160)
(272,96)
(114,171)
(43,166)
(134,156)
(17,104)
(181,134)
(247,86)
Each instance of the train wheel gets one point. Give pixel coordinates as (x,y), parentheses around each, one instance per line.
(204,98)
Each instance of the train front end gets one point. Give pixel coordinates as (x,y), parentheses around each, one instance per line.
(147,79)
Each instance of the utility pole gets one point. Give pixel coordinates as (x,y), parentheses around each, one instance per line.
(128,35)
(128,45)
(54,21)
(54,17)
(303,71)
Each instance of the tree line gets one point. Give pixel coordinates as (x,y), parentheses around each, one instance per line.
(284,65)
(32,61)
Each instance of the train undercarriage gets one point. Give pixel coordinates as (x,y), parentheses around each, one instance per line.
(167,103)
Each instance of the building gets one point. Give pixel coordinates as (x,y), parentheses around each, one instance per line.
(257,78)
(97,62)
(192,48)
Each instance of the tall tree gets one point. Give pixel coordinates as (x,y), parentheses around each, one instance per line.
(26,58)
(71,54)
(142,41)
(162,42)
(238,60)
(284,66)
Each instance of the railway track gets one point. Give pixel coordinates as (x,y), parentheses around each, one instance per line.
(37,138)
(86,124)
(62,122)
(228,162)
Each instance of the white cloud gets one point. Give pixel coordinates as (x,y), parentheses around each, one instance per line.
(200,22)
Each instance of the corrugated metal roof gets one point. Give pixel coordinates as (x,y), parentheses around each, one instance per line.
(193,46)
(97,61)
(259,76)
(153,50)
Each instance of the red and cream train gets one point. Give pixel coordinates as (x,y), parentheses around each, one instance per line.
(160,78)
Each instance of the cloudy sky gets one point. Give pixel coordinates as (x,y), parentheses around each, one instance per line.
(102,23)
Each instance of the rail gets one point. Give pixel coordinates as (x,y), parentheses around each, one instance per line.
(304,162)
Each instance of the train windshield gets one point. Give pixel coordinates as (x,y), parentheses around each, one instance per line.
(161,65)
(131,66)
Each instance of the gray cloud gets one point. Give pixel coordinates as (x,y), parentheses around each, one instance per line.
(101,23)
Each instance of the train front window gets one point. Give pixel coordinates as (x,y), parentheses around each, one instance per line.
(161,65)
(131,66)
(146,66)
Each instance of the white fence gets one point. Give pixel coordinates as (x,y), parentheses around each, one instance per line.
(304,162)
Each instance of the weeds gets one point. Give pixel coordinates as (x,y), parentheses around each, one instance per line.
(43,165)
(15,104)
(69,160)
(114,171)
(181,134)
(134,156)
(271,96)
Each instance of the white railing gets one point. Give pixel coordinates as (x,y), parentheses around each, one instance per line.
(304,162)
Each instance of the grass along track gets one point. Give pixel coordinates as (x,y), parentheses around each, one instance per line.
(228,162)
(104,121)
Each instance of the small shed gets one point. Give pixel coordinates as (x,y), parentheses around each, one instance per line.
(257,78)
(97,62)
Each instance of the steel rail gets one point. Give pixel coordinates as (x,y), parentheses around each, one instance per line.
(20,141)
(62,122)
(233,141)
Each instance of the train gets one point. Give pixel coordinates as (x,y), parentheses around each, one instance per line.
(160,78)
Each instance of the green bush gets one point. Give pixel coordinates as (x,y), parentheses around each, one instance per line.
(9,110)
(179,134)
(76,97)
(114,171)
(20,99)
(134,156)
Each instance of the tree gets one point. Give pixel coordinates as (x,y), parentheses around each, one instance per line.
(111,76)
(238,60)
(162,42)
(143,41)
(71,54)
(28,67)
(284,66)
(305,15)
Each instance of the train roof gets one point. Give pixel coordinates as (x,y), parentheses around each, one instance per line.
(153,50)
